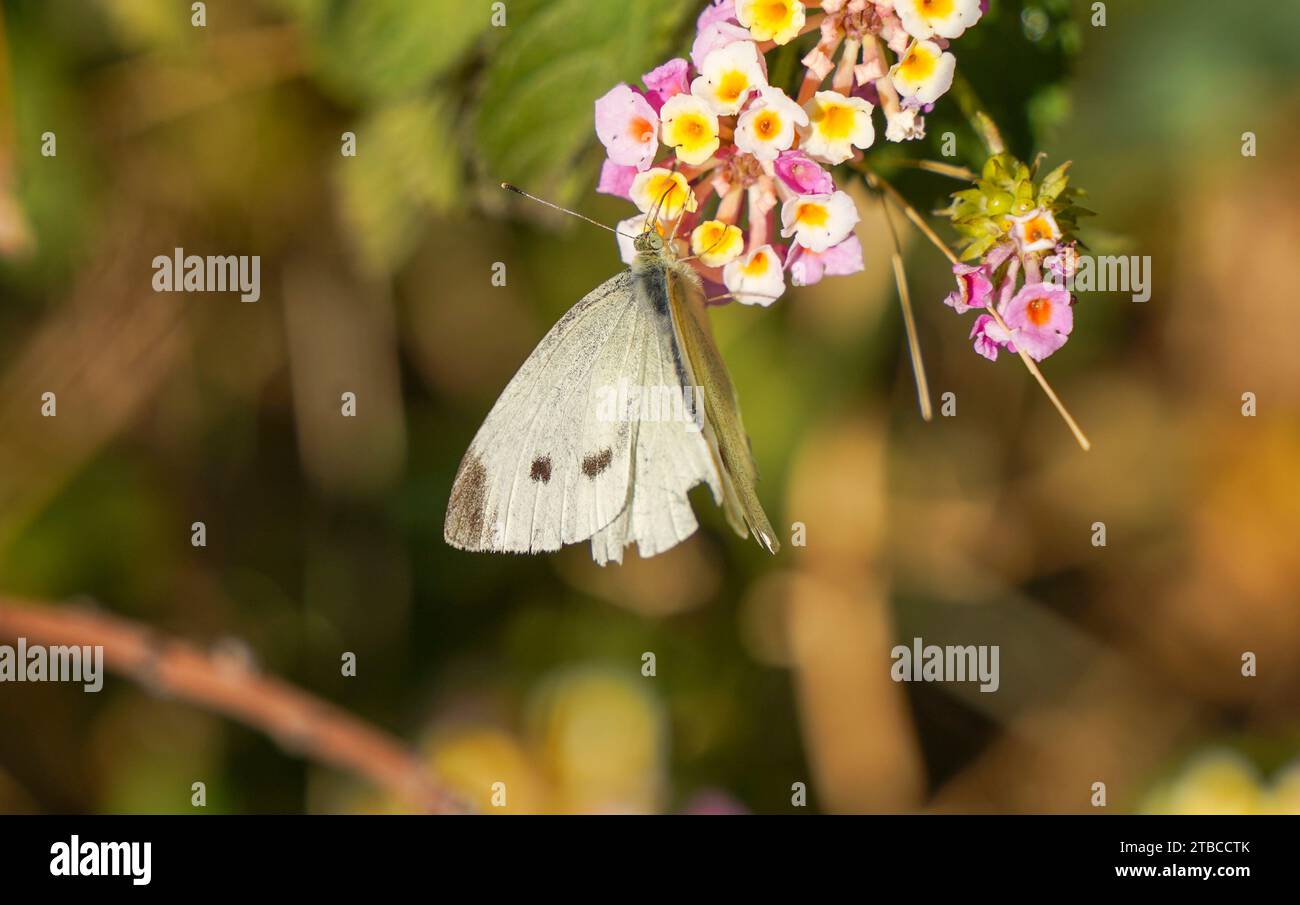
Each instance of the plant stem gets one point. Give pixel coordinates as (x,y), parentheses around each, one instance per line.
(876,182)
(1047,387)
(943,169)
(298,721)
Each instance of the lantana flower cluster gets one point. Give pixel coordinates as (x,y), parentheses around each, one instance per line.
(1020,232)
(730,165)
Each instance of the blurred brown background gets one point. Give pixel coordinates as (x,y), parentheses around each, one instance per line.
(1119,664)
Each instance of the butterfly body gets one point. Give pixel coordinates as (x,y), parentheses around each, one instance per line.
(556,463)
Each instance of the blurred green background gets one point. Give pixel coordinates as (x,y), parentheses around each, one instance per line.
(1119,664)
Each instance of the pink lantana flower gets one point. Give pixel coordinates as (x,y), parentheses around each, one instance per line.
(716,27)
(989,337)
(1063,265)
(803,175)
(974,288)
(1040,318)
(666,81)
(717,11)
(809,267)
(628,126)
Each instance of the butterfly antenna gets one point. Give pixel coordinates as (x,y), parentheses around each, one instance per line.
(653,218)
(564,210)
(677,224)
(715,244)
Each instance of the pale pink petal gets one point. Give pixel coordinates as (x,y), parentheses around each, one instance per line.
(803,174)
(717,11)
(616,179)
(715,36)
(665,81)
(839,260)
(1041,318)
(989,337)
(628,126)
(974,288)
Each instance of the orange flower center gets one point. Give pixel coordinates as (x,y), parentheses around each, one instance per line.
(767,125)
(642,130)
(1039,311)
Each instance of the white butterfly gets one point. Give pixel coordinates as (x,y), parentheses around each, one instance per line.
(555,463)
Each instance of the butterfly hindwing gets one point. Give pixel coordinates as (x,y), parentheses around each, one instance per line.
(672,453)
(726,430)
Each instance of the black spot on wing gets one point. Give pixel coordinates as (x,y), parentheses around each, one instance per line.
(596,463)
(541,470)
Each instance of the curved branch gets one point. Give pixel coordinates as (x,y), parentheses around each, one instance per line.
(297,721)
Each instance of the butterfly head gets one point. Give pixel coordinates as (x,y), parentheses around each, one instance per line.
(649,243)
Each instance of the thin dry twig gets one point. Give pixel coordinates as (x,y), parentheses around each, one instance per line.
(909,320)
(965,174)
(299,722)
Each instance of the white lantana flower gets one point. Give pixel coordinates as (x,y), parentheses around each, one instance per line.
(664,190)
(756,278)
(1035,231)
(717,243)
(779,21)
(767,127)
(689,125)
(945,18)
(729,75)
(924,73)
(905,124)
(836,125)
(819,221)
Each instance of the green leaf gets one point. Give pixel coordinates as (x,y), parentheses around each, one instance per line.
(372,50)
(535,113)
(977,248)
(407,168)
(1054,183)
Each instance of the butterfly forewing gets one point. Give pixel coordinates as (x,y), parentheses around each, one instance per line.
(546,468)
(672,453)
